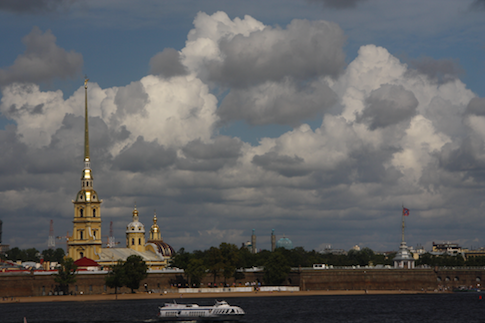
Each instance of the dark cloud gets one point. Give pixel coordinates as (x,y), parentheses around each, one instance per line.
(285,165)
(305,49)
(144,156)
(35,6)
(440,70)
(277,103)
(388,105)
(14,152)
(167,64)
(131,99)
(476,106)
(42,61)
(477,5)
(338,4)
(200,156)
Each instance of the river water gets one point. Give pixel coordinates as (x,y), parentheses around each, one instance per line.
(458,307)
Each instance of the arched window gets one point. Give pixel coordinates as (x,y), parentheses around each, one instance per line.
(139,241)
(94,213)
(81,234)
(81,212)
(81,254)
(94,234)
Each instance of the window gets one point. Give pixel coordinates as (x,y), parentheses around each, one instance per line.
(132,241)
(81,235)
(94,211)
(139,241)
(94,234)
(81,212)
(81,254)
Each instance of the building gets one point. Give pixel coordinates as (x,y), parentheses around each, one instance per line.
(284,243)
(451,249)
(85,240)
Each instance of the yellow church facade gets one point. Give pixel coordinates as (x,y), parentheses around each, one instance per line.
(85,240)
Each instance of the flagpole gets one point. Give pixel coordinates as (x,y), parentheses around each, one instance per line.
(402,236)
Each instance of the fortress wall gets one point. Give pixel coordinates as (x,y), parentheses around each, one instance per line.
(307,279)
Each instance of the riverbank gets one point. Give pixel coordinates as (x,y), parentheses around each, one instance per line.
(129,296)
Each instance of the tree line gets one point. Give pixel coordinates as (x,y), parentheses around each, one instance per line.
(32,254)
(225,260)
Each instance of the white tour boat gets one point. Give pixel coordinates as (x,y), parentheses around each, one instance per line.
(221,311)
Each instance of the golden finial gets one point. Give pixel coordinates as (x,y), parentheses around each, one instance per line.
(86,81)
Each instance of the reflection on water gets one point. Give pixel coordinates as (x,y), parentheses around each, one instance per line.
(444,308)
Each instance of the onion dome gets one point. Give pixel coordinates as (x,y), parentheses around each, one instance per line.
(284,243)
(135,225)
(155,233)
(162,248)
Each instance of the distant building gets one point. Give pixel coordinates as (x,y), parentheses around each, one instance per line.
(448,248)
(284,243)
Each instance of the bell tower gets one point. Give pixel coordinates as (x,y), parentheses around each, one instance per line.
(86,235)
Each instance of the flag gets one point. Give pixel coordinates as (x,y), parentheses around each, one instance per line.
(405,211)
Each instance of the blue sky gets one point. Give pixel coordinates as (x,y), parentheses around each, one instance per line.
(315,118)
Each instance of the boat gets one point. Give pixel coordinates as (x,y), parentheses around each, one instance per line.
(220,311)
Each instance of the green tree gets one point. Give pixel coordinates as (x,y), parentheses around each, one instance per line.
(276,269)
(135,270)
(180,259)
(213,260)
(53,255)
(66,274)
(230,259)
(15,254)
(195,271)
(116,277)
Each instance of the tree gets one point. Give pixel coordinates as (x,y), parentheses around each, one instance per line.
(213,260)
(230,259)
(53,255)
(116,277)
(195,271)
(135,270)
(66,274)
(276,269)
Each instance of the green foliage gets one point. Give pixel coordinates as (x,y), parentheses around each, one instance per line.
(213,260)
(53,255)
(16,254)
(276,269)
(135,270)
(442,260)
(475,261)
(116,276)
(195,271)
(66,274)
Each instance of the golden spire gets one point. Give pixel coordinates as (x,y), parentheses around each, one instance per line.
(86,127)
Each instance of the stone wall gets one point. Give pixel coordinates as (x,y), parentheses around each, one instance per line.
(307,279)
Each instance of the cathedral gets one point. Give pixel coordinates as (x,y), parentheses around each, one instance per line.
(85,240)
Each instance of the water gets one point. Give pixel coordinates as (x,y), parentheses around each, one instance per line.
(458,307)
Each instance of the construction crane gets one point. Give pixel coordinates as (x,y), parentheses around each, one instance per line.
(111,238)
(67,240)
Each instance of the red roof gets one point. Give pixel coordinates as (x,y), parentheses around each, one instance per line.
(85,262)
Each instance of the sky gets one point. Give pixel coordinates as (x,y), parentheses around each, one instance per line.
(319,119)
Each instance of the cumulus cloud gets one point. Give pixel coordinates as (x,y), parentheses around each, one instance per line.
(167,63)
(476,106)
(42,61)
(305,49)
(387,136)
(439,70)
(35,6)
(279,103)
(144,156)
(388,105)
